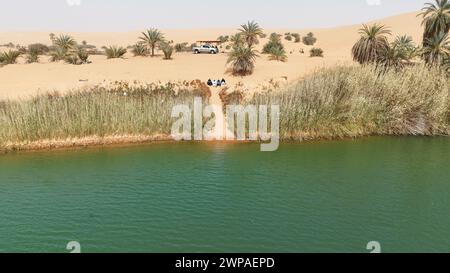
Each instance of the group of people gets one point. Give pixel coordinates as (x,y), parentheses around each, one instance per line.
(216,83)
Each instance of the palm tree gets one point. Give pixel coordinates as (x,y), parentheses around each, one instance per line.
(65,42)
(373,40)
(223,39)
(446,65)
(250,33)
(242,59)
(392,56)
(406,45)
(152,38)
(437,49)
(236,39)
(436,19)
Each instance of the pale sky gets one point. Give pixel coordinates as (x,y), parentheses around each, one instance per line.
(129,15)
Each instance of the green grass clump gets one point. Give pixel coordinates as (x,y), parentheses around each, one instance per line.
(118,110)
(58,54)
(362,101)
(32,57)
(139,49)
(9,57)
(115,52)
(167,49)
(278,54)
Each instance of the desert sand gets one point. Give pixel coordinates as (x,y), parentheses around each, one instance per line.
(23,80)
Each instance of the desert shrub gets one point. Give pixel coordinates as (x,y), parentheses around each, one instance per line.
(278,54)
(192,46)
(82,55)
(84,45)
(182,47)
(139,49)
(58,54)
(77,57)
(288,38)
(167,50)
(236,97)
(65,42)
(10,56)
(33,53)
(9,45)
(296,37)
(21,49)
(316,52)
(38,49)
(32,57)
(274,44)
(275,37)
(72,59)
(223,38)
(309,39)
(114,52)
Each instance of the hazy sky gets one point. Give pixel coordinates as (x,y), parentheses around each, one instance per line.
(124,15)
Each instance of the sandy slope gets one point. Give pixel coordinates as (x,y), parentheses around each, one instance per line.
(22,80)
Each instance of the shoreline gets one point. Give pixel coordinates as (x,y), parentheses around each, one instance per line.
(135,140)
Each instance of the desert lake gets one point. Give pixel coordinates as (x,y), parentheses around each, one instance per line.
(215,197)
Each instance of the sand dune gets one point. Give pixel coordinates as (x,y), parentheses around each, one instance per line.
(22,80)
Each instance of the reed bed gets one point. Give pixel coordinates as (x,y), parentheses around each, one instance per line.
(118,110)
(332,103)
(347,102)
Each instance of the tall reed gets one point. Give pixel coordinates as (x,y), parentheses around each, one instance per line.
(359,101)
(118,110)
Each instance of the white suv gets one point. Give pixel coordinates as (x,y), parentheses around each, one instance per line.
(205,49)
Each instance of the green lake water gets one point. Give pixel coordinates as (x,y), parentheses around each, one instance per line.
(210,197)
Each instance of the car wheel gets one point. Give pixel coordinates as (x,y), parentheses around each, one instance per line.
(197,52)
(213,52)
